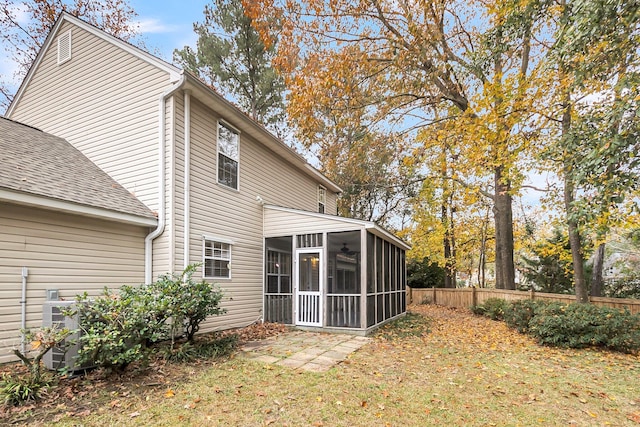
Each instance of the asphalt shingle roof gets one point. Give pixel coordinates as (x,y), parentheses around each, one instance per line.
(42,164)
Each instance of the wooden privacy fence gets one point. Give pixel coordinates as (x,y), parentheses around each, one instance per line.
(468,297)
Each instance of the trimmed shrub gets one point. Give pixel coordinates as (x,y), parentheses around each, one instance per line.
(187,302)
(119,329)
(586,325)
(492,308)
(518,314)
(622,330)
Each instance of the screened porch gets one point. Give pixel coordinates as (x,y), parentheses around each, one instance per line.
(349,276)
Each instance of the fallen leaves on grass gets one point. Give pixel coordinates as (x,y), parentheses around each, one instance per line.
(438,366)
(259,331)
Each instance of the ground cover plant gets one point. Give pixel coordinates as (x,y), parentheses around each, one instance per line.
(438,366)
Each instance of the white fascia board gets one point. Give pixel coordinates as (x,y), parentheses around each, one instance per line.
(57,205)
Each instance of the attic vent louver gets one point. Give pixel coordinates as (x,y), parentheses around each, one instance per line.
(64,47)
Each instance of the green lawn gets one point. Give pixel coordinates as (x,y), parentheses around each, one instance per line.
(446,368)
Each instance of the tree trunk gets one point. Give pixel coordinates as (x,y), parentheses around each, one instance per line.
(482,261)
(449,280)
(503,219)
(582,296)
(577,257)
(596,276)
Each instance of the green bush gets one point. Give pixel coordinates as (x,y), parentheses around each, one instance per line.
(586,325)
(518,314)
(187,302)
(492,308)
(119,328)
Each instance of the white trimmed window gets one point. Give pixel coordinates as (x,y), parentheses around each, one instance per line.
(228,156)
(217,259)
(322,198)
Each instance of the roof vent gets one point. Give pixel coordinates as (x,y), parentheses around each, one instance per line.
(64,47)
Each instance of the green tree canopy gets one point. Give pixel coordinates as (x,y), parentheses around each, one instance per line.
(232,58)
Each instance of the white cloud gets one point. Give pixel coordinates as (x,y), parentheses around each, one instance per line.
(190,40)
(154,26)
(20,13)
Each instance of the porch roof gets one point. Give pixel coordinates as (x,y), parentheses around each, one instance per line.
(280,221)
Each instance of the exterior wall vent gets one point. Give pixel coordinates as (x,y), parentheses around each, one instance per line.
(64,47)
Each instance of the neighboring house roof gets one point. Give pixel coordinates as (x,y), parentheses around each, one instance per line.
(203,92)
(39,168)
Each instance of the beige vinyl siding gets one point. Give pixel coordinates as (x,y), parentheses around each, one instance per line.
(177,215)
(162,252)
(220,212)
(331,207)
(282,223)
(104,101)
(70,253)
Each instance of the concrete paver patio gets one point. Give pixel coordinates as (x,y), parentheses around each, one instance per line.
(309,351)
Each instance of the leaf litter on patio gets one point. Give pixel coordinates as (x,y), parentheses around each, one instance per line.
(435,366)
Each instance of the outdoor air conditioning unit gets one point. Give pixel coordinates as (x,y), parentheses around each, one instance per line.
(65,355)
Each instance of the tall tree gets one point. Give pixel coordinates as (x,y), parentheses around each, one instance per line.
(25,25)
(365,160)
(420,56)
(231,57)
(595,61)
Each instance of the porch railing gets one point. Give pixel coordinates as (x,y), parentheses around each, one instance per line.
(343,310)
(278,308)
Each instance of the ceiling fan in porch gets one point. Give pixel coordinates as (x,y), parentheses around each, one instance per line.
(345,250)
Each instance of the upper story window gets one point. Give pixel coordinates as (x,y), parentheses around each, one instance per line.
(322,198)
(217,259)
(228,156)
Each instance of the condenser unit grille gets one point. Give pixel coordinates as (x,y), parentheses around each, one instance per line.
(65,355)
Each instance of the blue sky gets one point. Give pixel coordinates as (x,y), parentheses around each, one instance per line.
(168,25)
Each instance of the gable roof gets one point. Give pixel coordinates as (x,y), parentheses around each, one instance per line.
(41,169)
(201,91)
(172,70)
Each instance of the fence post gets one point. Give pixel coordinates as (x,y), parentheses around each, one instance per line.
(474,297)
(433,301)
(410,289)
(532,294)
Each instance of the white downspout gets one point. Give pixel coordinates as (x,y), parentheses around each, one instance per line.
(23,303)
(148,241)
(186,228)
